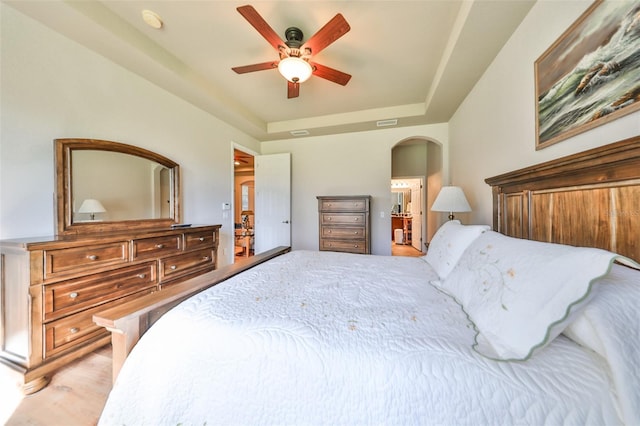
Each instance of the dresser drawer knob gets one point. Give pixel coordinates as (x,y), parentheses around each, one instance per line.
(92,257)
(74,330)
(201,239)
(329,231)
(142,276)
(329,218)
(173,267)
(73,295)
(159,246)
(356,219)
(355,246)
(205,258)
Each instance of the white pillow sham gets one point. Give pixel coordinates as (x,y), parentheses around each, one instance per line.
(521,294)
(448,244)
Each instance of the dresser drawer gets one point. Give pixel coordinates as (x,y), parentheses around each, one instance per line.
(343,218)
(198,240)
(343,205)
(345,232)
(66,333)
(175,266)
(71,296)
(77,260)
(156,246)
(359,246)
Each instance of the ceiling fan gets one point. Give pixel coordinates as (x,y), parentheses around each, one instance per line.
(295,64)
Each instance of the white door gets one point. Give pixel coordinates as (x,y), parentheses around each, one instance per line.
(416,213)
(272,201)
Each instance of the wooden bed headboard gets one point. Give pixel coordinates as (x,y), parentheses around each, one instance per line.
(589,199)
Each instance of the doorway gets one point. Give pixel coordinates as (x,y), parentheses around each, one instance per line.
(244,204)
(406,216)
(418,158)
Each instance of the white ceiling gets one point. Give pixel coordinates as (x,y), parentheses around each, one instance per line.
(414,61)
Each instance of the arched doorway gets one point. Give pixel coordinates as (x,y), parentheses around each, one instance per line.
(416,165)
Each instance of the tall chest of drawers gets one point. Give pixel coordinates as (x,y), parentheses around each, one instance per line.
(51,288)
(344,223)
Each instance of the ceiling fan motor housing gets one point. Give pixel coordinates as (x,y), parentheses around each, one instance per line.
(294,37)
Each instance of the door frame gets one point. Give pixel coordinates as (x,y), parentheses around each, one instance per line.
(230,245)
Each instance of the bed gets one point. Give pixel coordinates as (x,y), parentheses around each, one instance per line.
(486,328)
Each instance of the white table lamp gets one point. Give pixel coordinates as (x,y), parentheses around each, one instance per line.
(92,207)
(451,199)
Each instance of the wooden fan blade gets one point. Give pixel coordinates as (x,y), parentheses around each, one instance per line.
(265,30)
(333,30)
(293,90)
(256,67)
(330,74)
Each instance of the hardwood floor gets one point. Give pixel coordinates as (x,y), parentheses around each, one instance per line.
(404,250)
(76,395)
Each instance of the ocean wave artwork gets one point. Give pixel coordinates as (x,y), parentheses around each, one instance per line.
(591,75)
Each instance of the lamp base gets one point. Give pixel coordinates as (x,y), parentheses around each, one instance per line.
(451,216)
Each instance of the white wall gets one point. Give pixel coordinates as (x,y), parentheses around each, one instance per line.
(55,88)
(347,164)
(493,132)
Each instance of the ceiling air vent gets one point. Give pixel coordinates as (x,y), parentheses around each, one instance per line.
(385,123)
(299,132)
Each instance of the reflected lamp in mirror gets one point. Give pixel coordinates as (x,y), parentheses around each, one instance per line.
(246,224)
(451,199)
(92,207)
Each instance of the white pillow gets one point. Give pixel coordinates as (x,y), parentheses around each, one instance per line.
(521,294)
(448,244)
(610,325)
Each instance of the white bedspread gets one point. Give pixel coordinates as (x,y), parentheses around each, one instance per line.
(334,338)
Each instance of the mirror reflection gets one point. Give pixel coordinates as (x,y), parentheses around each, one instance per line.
(114,186)
(400,201)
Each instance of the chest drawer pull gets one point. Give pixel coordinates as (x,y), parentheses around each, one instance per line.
(159,246)
(74,330)
(355,246)
(141,276)
(173,267)
(92,257)
(201,239)
(205,257)
(73,295)
(355,219)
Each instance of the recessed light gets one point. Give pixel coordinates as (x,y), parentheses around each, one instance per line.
(384,123)
(299,132)
(152,19)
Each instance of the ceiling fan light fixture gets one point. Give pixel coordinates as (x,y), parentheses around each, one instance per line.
(296,70)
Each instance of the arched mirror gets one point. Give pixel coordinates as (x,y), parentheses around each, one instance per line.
(110,186)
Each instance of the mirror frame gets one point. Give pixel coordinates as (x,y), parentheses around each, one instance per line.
(64,212)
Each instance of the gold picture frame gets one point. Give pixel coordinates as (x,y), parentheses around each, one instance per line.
(591,74)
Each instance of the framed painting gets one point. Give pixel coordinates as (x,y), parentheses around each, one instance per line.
(591,74)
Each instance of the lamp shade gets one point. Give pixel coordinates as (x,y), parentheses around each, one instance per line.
(91,206)
(294,69)
(451,199)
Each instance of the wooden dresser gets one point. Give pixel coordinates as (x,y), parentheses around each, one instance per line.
(50,288)
(345,223)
